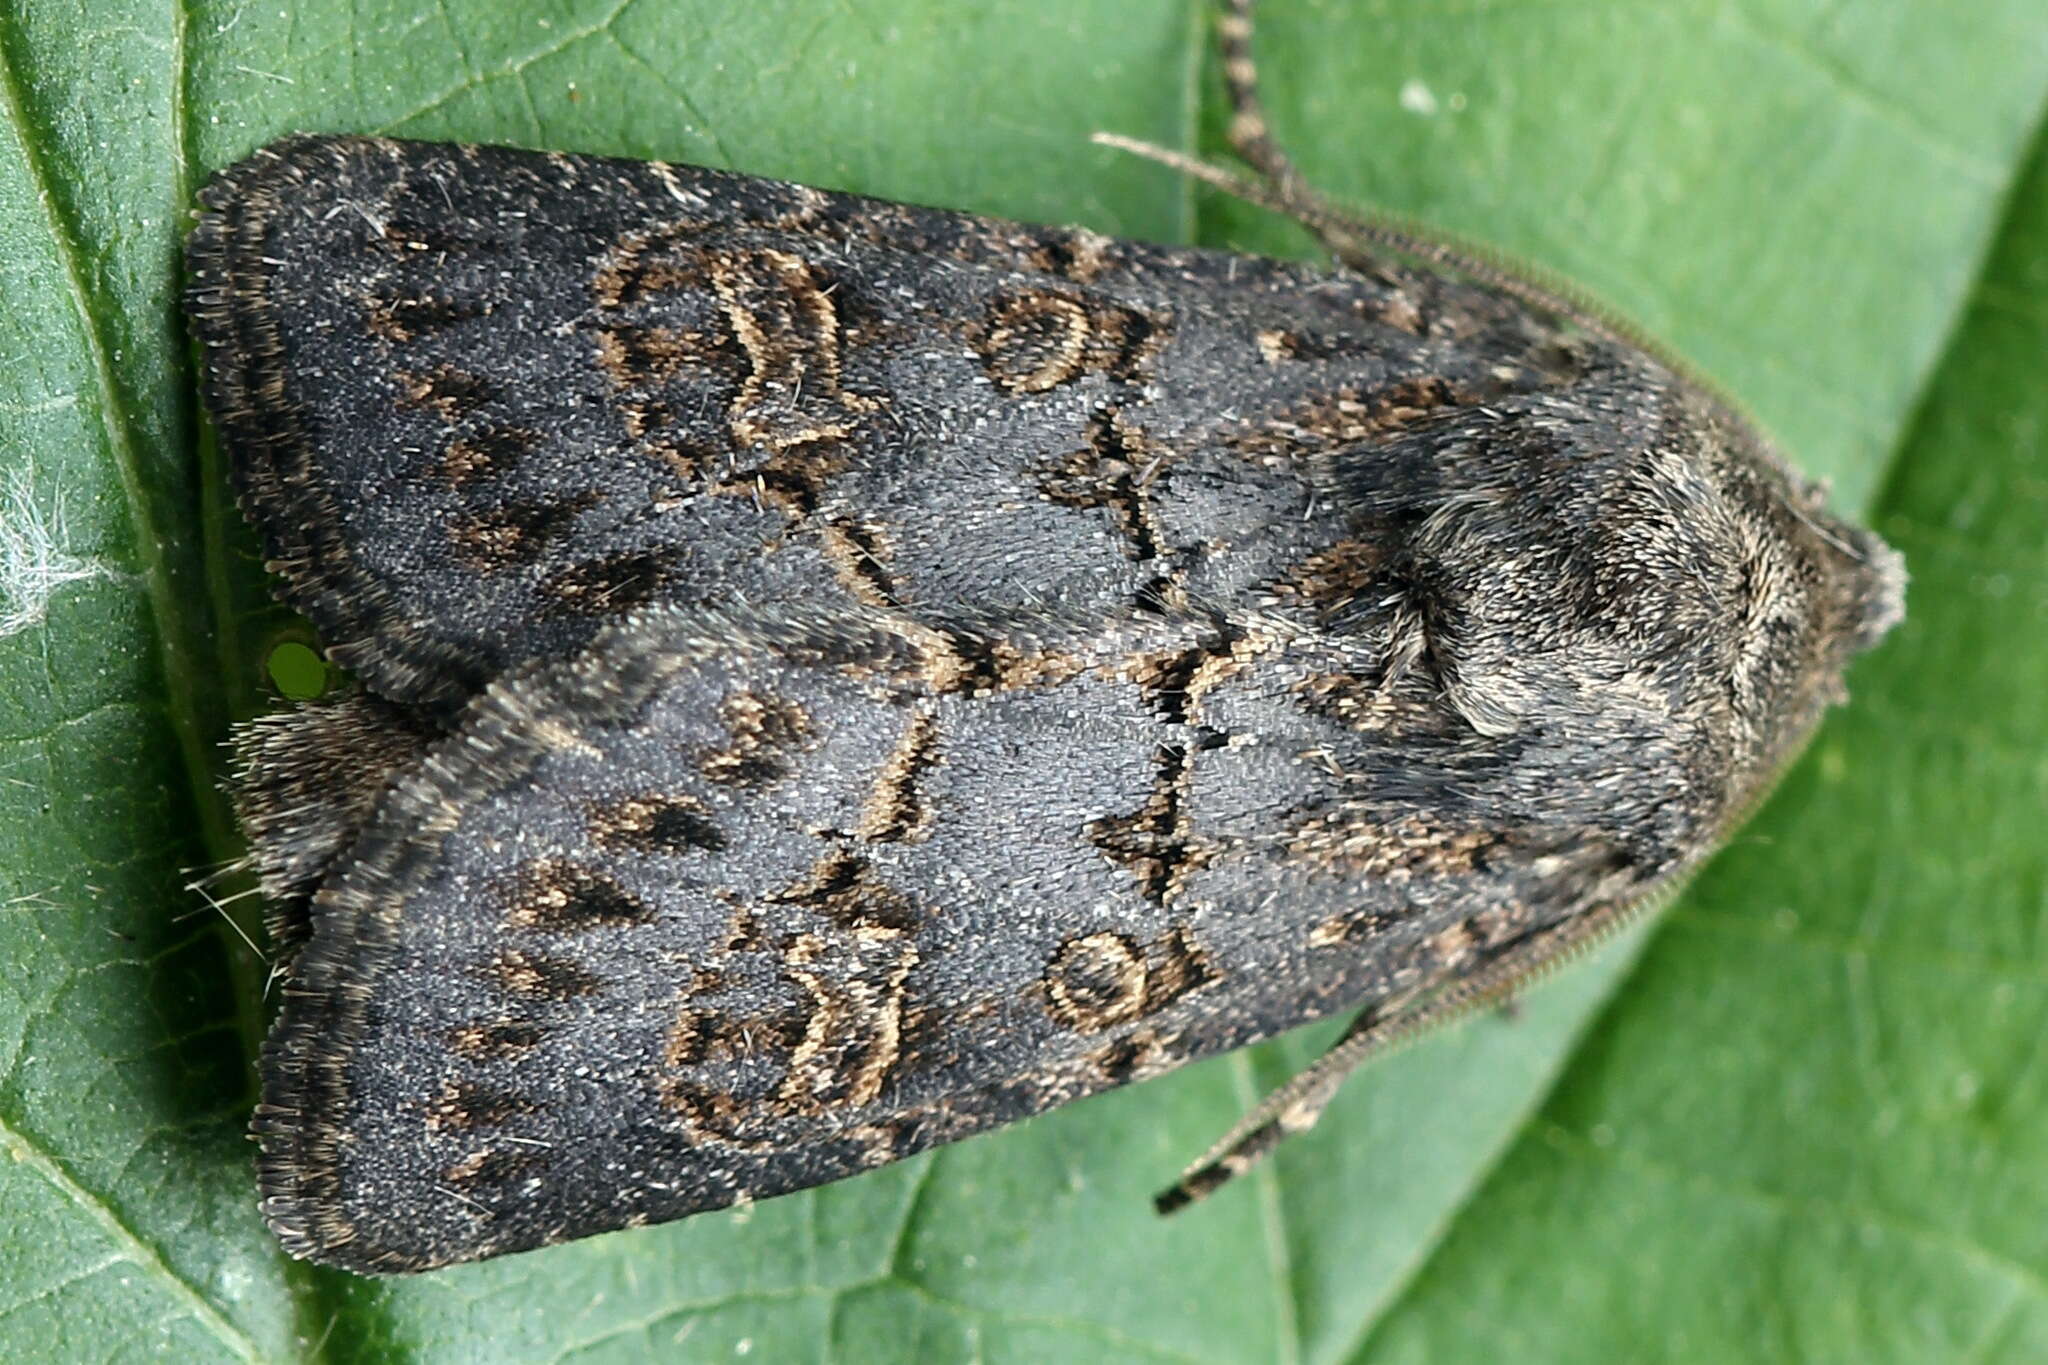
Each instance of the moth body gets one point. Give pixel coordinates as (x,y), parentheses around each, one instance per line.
(837,677)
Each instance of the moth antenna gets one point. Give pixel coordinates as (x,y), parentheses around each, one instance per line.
(1241,1151)
(1281,188)
(1347,237)
(1238,186)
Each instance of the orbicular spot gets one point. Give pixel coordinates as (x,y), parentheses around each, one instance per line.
(452,393)
(611,585)
(1096,982)
(495,1041)
(536,976)
(462,1105)
(1100,980)
(495,1168)
(558,896)
(654,823)
(765,732)
(1033,340)
(515,533)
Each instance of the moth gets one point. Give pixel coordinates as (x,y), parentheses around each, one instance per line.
(835,677)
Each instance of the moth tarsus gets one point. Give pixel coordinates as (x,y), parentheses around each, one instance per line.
(836,676)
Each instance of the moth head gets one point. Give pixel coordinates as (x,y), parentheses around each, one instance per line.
(1810,592)
(1627,585)
(1728,564)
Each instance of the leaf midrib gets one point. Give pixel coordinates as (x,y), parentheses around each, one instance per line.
(130,1246)
(177,656)
(179,635)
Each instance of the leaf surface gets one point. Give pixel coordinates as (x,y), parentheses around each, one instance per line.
(1803,1125)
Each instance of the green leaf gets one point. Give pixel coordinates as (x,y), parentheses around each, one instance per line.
(1803,1125)
(1847,1159)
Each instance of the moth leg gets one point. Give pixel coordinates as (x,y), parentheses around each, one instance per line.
(1249,133)
(1358,241)
(1295,1106)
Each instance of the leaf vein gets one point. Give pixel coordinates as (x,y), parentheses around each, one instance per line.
(128,1244)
